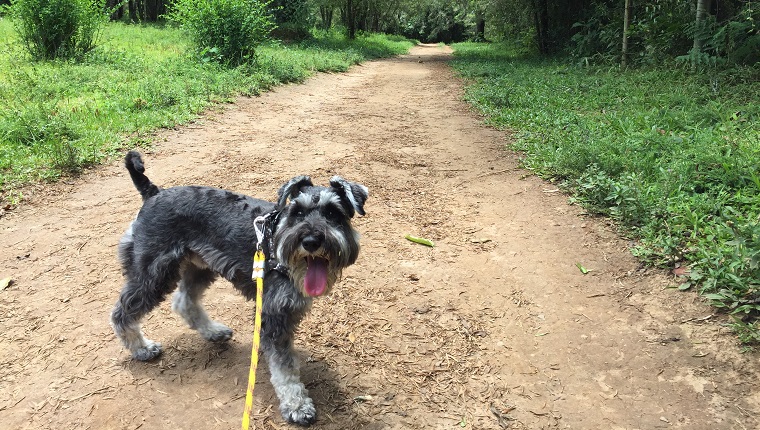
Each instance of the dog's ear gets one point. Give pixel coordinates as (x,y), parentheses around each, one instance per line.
(352,193)
(291,189)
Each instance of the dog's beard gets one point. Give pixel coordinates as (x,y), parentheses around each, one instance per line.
(315,272)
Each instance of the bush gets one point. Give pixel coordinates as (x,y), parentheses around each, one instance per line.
(53,29)
(227,31)
(292,18)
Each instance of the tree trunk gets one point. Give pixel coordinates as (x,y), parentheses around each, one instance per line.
(351,19)
(480,27)
(133,6)
(374,20)
(116,12)
(326,13)
(541,18)
(626,25)
(361,20)
(151,10)
(702,7)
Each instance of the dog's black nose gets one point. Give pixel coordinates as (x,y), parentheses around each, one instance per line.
(312,242)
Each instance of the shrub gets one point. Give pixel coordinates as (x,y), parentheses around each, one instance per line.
(230,30)
(292,18)
(53,29)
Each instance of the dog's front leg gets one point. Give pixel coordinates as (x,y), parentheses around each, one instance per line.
(277,345)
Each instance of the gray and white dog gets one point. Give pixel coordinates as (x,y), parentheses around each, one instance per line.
(188,236)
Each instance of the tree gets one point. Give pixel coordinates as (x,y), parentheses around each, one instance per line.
(349,18)
(116,8)
(480,26)
(626,26)
(541,20)
(326,15)
(702,7)
(146,10)
(699,31)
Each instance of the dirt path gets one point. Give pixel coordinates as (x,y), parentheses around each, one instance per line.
(493,328)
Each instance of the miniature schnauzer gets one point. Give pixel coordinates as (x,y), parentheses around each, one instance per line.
(187,236)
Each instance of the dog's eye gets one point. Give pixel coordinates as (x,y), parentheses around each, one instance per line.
(332,213)
(300,213)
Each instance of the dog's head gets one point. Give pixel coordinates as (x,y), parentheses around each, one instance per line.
(314,236)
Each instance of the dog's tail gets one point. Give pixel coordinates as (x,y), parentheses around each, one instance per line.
(136,168)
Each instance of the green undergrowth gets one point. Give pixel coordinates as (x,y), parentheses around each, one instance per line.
(58,117)
(672,156)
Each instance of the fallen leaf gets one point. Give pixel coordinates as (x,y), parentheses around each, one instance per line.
(420,240)
(5,283)
(681,271)
(581,268)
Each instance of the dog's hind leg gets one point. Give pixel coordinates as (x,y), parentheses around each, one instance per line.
(125,318)
(277,345)
(146,287)
(186,302)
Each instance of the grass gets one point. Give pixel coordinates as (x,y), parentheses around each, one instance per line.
(673,157)
(57,117)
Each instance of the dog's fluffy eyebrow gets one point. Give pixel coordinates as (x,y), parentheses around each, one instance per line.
(304,201)
(328,197)
(325,198)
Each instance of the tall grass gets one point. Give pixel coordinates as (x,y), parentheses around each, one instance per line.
(57,117)
(673,157)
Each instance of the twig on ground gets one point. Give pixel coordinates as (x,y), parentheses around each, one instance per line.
(483,175)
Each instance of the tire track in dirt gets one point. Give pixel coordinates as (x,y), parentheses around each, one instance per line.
(493,328)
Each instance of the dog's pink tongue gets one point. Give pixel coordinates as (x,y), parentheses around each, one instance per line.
(315,281)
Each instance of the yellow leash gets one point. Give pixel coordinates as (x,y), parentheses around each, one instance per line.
(258,275)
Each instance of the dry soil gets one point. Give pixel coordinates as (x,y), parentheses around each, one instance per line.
(493,328)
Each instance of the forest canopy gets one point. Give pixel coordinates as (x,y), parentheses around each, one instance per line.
(632,32)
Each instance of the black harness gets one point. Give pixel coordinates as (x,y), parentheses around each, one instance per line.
(271,220)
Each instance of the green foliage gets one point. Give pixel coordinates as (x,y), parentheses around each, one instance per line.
(661,32)
(230,29)
(657,34)
(436,21)
(58,117)
(729,275)
(673,159)
(53,29)
(735,41)
(292,18)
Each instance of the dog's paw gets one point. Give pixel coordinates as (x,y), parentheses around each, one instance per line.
(216,332)
(305,415)
(148,352)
